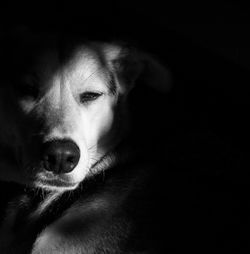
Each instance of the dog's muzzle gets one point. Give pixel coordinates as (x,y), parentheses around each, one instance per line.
(60,156)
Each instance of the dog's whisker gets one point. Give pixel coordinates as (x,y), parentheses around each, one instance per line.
(92,148)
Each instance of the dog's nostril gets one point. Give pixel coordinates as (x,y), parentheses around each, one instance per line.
(60,156)
(71,159)
(50,159)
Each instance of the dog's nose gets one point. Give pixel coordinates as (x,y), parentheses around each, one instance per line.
(60,156)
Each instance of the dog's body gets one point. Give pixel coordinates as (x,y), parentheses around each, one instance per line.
(65,128)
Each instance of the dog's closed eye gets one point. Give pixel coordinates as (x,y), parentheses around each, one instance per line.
(87,97)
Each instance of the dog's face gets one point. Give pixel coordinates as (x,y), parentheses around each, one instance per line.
(61,116)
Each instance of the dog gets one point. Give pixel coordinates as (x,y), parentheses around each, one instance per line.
(71,167)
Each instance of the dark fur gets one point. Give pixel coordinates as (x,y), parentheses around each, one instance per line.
(127,189)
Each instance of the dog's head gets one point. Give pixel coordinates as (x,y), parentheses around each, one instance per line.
(63,110)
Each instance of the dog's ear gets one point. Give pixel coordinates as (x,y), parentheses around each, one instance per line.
(131,66)
(154,73)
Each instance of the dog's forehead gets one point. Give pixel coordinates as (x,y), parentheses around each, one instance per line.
(81,64)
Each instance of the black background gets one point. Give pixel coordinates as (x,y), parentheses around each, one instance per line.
(204,119)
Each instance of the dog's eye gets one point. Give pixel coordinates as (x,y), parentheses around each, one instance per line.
(89,96)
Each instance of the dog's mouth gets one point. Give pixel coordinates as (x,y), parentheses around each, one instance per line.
(49,181)
(54,184)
